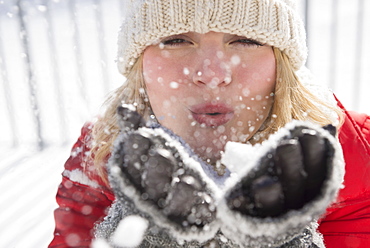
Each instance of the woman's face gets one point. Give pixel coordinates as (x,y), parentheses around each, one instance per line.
(210,88)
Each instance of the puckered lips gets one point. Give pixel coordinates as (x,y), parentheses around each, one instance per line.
(212,115)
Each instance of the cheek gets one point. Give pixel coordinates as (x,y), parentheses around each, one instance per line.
(152,69)
(257,77)
(256,84)
(159,76)
(162,71)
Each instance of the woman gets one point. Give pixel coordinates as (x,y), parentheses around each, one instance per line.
(206,149)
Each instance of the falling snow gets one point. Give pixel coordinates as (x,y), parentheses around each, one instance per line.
(235,59)
(29,217)
(130,231)
(174,85)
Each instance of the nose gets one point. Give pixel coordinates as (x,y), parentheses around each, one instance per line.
(212,69)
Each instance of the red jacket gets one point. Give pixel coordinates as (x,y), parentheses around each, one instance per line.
(347,222)
(83,199)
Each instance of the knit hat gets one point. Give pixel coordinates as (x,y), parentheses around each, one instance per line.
(274,22)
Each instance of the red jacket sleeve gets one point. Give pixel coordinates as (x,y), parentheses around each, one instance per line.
(347,223)
(82,198)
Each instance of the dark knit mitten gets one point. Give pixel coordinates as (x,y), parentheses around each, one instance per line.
(297,175)
(155,168)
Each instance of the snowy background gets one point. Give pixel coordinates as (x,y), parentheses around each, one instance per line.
(57,66)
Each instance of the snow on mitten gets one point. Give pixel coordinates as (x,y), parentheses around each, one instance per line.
(283,190)
(157,171)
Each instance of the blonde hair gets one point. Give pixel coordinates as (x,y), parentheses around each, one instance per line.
(292,101)
(105,129)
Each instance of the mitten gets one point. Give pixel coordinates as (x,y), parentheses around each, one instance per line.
(158,172)
(295,175)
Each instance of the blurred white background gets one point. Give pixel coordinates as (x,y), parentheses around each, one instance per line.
(57,66)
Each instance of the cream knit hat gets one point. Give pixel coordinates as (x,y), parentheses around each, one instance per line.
(274,22)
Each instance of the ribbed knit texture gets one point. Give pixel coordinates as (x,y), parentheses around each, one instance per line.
(274,22)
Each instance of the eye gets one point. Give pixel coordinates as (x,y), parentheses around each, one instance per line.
(175,41)
(246,42)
